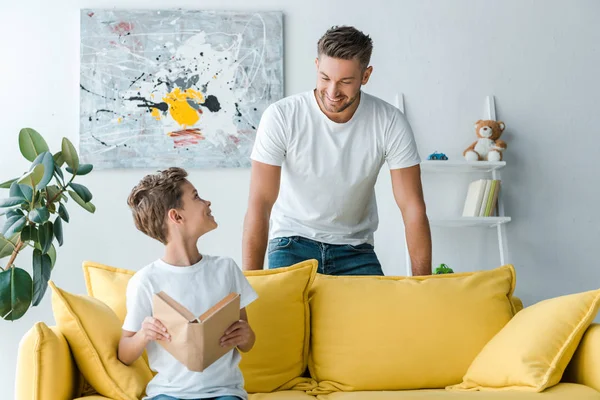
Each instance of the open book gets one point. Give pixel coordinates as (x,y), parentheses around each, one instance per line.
(196,340)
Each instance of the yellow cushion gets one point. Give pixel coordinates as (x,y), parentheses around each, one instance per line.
(285,395)
(280,317)
(532,351)
(93,331)
(107,284)
(394,333)
(45,368)
(559,392)
(584,367)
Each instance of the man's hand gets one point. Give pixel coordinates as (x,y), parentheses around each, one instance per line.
(239,335)
(153,329)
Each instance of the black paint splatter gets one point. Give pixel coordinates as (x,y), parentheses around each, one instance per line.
(89,91)
(212,103)
(137,79)
(164,107)
(237,109)
(105,110)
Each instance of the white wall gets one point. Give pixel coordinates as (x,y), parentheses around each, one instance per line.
(539,58)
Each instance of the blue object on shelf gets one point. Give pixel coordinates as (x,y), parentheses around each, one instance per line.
(437,156)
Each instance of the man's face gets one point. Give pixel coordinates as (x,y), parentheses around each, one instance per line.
(339,82)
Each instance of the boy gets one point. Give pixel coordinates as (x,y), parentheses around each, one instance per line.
(166,207)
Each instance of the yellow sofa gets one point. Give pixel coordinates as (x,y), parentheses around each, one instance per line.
(343,338)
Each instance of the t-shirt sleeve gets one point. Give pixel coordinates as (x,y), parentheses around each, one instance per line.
(400,146)
(242,286)
(139,304)
(270,144)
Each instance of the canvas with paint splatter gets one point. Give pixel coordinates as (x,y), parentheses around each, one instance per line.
(184,88)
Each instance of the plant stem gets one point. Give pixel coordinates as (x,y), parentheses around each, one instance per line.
(62,188)
(14,254)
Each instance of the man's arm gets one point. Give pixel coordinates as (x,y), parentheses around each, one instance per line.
(264,189)
(408,192)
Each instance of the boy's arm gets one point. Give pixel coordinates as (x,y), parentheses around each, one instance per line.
(132,344)
(240,334)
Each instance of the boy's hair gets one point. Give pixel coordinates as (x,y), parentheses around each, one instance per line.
(152,198)
(346,43)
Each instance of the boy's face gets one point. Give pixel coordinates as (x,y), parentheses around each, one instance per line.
(196,215)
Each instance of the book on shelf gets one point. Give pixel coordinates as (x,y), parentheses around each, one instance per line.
(482,198)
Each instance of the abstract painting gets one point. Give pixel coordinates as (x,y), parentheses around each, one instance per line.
(185,88)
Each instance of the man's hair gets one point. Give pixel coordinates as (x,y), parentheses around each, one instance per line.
(347,43)
(152,198)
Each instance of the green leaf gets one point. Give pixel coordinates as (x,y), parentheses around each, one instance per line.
(82,191)
(48,162)
(52,254)
(29,233)
(6,185)
(59,159)
(11,202)
(53,192)
(59,173)
(87,206)
(33,177)
(22,191)
(14,212)
(6,247)
(13,225)
(70,154)
(16,291)
(8,223)
(58,230)
(31,143)
(62,211)
(42,266)
(45,236)
(39,215)
(83,169)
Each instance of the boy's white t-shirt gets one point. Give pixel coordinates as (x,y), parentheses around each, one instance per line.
(197,287)
(329,169)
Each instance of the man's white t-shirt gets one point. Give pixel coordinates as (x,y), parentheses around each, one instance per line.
(197,287)
(329,169)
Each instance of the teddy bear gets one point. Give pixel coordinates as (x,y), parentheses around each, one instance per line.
(488,146)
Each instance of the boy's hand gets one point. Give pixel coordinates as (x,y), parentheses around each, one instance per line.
(239,334)
(153,329)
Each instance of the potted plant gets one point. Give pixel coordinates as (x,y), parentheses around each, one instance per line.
(35,211)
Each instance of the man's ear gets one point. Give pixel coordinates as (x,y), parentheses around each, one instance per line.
(367,75)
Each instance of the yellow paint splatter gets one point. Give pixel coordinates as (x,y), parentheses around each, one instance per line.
(155,113)
(120,120)
(180,109)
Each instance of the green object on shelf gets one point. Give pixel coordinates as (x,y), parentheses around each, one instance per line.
(443,269)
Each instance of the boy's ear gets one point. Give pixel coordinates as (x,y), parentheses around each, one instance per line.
(174,216)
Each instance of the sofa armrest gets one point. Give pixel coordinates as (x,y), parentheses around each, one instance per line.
(584,367)
(45,367)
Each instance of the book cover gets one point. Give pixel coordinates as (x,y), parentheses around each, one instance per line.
(195,340)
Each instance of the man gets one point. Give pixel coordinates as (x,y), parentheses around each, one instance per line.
(315,162)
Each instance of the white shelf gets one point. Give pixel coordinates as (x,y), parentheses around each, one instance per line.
(451,166)
(469,222)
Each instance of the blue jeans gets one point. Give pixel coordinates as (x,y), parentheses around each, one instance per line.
(165,397)
(334,259)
